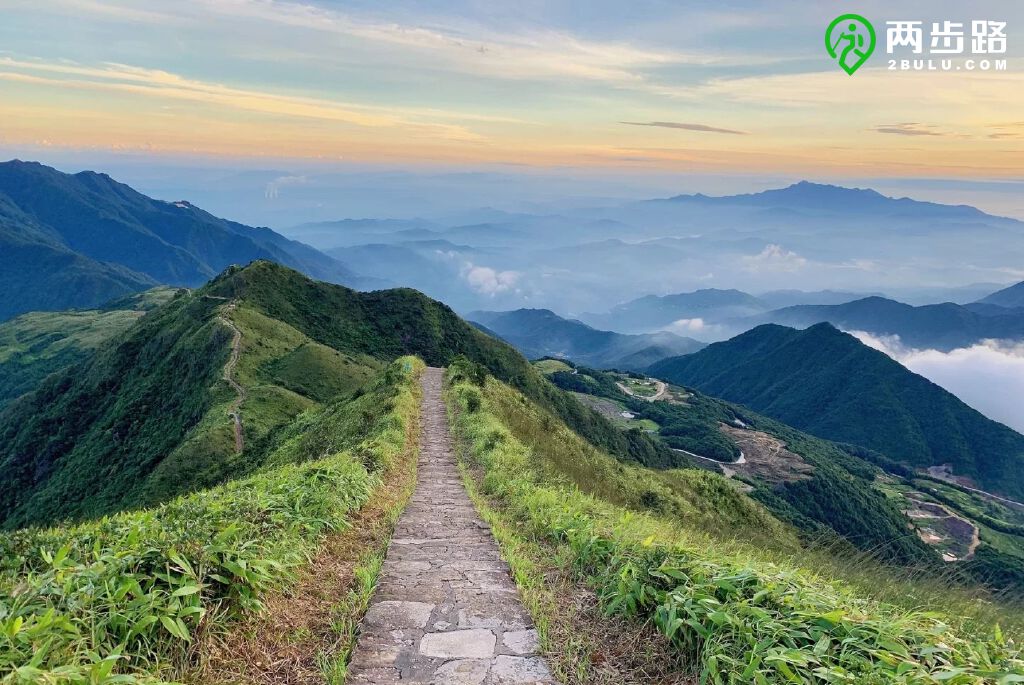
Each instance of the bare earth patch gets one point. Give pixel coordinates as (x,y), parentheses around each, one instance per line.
(937,525)
(766,457)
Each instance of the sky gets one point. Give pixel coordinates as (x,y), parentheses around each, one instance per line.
(727,89)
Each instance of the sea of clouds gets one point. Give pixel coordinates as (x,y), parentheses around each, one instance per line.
(988,376)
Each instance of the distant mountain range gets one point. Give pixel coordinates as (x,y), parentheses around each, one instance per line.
(835,244)
(78,240)
(820,197)
(653,312)
(938,326)
(1010,298)
(542,333)
(828,383)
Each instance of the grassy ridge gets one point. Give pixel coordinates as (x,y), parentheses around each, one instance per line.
(389,323)
(736,618)
(85,440)
(124,598)
(562,456)
(36,344)
(145,418)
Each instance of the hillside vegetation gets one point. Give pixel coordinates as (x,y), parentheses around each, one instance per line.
(130,598)
(34,345)
(820,488)
(147,416)
(828,383)
(734,615)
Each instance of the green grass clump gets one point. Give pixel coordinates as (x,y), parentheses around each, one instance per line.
(125,598)
(737,617)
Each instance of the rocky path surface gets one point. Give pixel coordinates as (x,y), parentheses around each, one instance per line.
(446,610)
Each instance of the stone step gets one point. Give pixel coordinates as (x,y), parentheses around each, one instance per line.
(445,611)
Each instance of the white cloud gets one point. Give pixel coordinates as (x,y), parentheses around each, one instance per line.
(989,375)
(774,258)
(488,281)
(685,326)
(274,187)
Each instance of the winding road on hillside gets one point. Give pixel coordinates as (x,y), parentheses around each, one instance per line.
(998,498)
(445,609)
(662,389)
(742,459)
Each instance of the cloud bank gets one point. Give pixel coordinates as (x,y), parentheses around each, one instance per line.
(989,375)
(488,281)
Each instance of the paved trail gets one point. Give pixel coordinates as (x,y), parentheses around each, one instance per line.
(446,610)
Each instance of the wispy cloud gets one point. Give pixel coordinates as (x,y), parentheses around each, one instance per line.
(273,189)
(685,126)
(909,128)
(534,54)
(157,83)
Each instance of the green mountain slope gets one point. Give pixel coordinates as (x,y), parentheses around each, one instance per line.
(813,483)
(34,345)
(828,383)
(42,273)
(542,333)
(736,613)
(89,231)
(149,415)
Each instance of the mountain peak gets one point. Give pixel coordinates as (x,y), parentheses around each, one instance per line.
(810,195)
(1007,297)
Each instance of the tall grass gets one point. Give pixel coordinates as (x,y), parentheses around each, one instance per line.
(126,598)
(736,617)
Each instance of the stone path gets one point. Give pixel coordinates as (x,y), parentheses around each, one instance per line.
(446,610)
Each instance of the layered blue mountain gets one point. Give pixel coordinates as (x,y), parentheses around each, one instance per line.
(653,312)
(77,240)
(944,326)
(542,333)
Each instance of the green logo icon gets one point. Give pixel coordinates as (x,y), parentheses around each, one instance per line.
(850,40)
